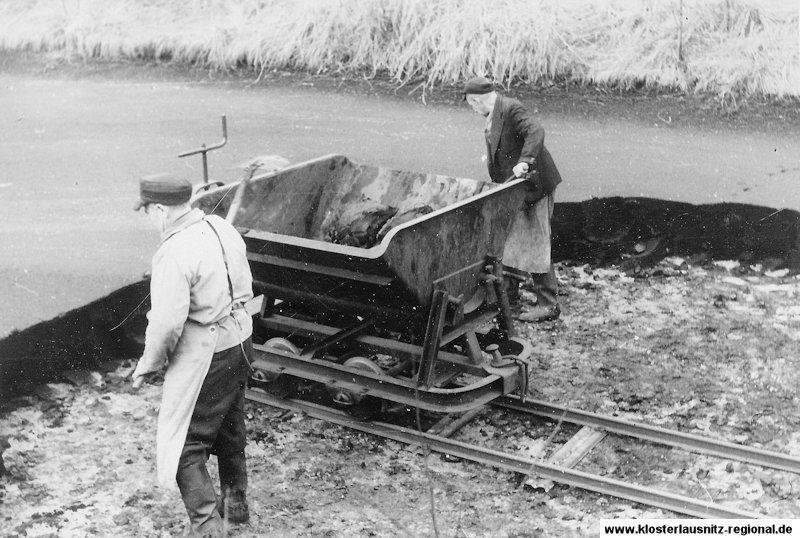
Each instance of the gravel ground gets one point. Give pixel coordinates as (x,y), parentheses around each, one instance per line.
(698,347)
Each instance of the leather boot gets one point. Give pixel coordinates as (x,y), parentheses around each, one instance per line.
(545,287)
(200,500)
(233,482)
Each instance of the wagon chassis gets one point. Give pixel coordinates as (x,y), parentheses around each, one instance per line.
(424,375)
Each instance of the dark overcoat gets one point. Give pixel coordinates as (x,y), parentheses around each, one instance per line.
(515,136)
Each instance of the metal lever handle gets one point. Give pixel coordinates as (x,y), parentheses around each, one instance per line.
(204,150)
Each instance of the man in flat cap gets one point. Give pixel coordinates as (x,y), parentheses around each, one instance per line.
(198,328)
(515,148)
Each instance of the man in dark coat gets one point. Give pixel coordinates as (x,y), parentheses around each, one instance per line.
(514,148)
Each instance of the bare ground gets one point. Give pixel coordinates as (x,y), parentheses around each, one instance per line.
(709,349)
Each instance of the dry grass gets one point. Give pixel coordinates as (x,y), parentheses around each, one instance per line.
(732,48)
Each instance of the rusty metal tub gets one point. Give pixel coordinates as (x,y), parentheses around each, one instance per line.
(287,216)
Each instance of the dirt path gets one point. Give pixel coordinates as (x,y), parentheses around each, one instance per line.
(76,138)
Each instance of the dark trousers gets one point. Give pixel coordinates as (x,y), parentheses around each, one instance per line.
(217,427)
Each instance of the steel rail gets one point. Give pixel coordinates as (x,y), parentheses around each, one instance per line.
(510,462)
(686,441)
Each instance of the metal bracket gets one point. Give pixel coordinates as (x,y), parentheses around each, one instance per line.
(433,336)
(494,279)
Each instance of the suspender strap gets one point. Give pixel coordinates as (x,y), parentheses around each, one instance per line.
(225,261)
(230,290)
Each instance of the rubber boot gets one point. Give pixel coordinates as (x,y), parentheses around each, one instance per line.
(200,500)
(233,482)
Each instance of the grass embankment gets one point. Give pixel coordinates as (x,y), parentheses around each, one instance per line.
(728,48)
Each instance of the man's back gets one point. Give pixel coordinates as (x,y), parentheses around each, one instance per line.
(190,279)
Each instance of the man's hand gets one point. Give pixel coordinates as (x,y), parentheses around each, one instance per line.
(138,380)
(521,169)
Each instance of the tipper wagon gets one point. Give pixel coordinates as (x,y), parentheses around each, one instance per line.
(382,285)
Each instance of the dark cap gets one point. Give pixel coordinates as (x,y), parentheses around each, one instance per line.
(166,189)
(478,85)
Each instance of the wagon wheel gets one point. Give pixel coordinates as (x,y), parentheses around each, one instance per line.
(357,405)
(281,385)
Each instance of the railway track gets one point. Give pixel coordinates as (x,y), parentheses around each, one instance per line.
(562,471)
(645,432)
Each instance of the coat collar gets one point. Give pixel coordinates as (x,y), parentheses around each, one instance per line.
(181,223)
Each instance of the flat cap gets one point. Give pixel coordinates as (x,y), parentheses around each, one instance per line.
(166,189)
(478,85)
